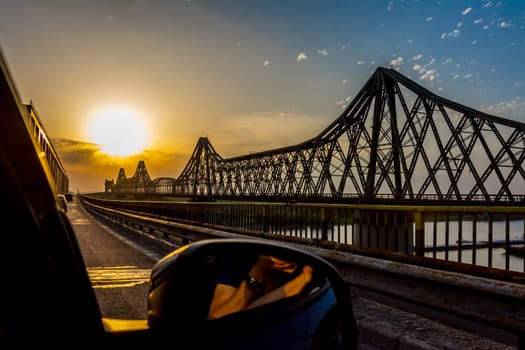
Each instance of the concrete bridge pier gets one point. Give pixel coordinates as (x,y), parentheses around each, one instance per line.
(384,229)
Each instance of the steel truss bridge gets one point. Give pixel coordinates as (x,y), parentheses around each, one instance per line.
(396,140)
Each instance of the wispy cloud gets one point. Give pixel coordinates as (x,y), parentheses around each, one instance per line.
(301,57)
(344,103)
(514,109)
(261,131)
(454,34)
(396,63)
(466,11)
(429,74)
(426,71)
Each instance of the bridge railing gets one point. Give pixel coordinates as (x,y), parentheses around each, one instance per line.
(476,303)
(482,236)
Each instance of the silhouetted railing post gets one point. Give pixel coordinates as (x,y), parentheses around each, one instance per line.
(324,224)
(265,219)
(419,218)
(384,229)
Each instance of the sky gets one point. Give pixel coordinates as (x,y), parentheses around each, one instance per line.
(115,82)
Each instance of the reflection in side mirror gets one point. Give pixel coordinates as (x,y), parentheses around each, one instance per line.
(251,294)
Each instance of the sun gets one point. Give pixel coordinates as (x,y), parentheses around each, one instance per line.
(120,131)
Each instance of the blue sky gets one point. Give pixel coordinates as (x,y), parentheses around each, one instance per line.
(250,75)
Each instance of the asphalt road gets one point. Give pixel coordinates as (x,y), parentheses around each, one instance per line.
(119,269)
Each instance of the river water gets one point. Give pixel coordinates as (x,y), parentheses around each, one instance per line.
(343,234)
(515,232)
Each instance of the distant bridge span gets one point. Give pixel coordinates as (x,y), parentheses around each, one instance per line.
(396,140)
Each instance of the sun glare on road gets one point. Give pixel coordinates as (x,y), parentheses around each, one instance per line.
(117,276)
(120,131)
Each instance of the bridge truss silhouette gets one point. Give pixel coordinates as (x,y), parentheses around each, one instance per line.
(396,140)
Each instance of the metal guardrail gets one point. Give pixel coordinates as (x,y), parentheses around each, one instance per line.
(480,236)
(491,302)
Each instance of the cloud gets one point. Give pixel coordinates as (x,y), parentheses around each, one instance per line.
(344,103)
(396,63)
(85,164)
(429,74)
(428,19)
(514,109)
(323,52)
(454,34)
(491,4)
(301,57)
(262,131)
(466,11)
(426,73)
(266,63)
(417,57)
(77,152)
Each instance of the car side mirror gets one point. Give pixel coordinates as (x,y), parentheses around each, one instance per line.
(204,290)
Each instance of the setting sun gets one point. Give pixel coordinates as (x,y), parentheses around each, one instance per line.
(120,131)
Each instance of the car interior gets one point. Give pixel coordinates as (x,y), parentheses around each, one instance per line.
(46,288)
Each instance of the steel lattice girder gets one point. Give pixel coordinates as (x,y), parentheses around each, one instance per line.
(396,140)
